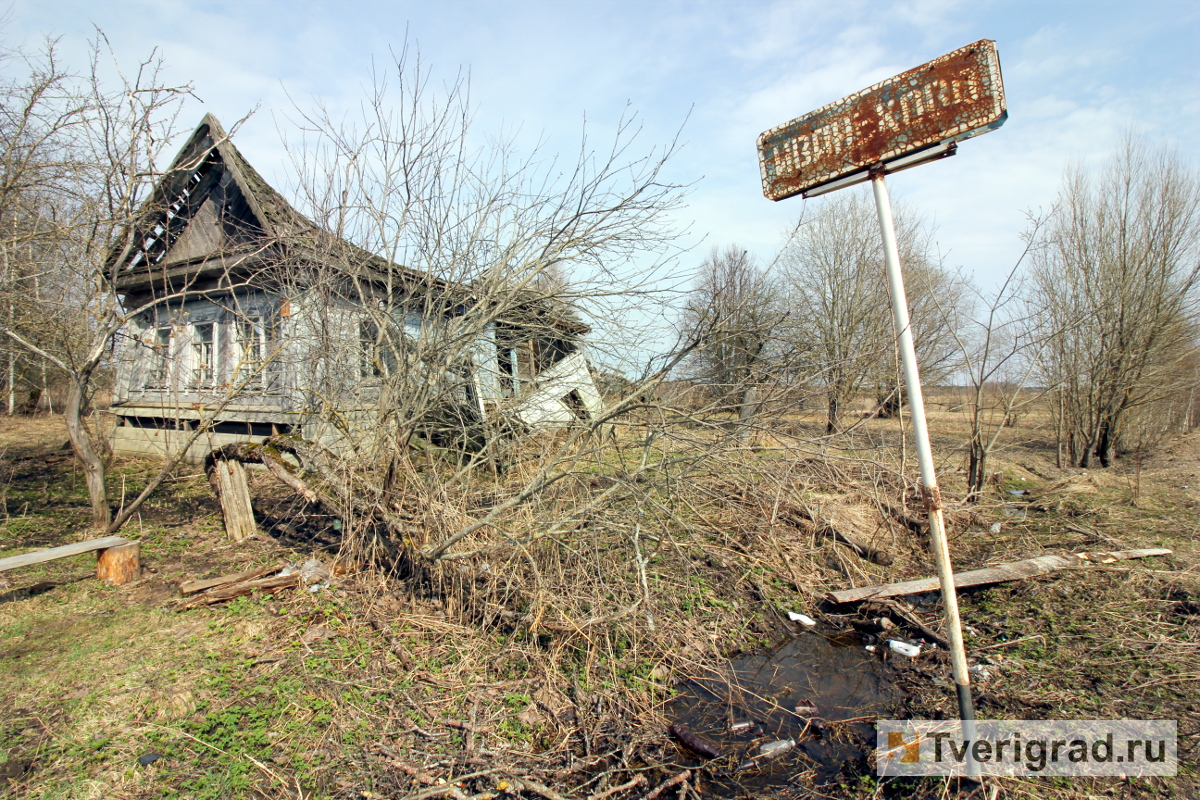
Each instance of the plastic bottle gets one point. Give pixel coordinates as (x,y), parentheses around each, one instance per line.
(776,748)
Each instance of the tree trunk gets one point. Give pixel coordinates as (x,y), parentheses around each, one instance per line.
(119,565)
(831,423)
(976,473)
(93,465)
(747,410)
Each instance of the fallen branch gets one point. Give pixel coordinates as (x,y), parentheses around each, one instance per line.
(638,780)
(662,787)
(1016,570)
(911,621)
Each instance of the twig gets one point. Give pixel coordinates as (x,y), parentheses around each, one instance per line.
(537,788)
(638,780)
(675,781)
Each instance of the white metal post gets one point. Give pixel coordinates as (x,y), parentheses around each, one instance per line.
(929,487)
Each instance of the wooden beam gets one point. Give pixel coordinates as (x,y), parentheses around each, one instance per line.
(67,550)
(1016,570)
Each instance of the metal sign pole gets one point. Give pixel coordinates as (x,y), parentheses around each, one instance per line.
(929,487)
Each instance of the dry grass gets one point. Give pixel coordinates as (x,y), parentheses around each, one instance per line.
(546,652)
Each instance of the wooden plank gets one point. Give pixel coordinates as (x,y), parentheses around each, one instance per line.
(67,550)
(191,587)
(1016,570)
(234,493)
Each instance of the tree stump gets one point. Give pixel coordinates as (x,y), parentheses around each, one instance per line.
(119,565)
(234,494)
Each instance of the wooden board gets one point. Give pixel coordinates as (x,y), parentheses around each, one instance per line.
(234,493)
(67,550)
(1015,570)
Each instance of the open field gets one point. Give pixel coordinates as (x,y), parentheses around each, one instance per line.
(543,663)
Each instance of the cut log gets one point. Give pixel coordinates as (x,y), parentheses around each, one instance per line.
(234,494)
(53,553)
(192,587)
(1016,570)
(120,564)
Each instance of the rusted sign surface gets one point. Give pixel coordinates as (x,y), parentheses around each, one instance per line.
(949,99)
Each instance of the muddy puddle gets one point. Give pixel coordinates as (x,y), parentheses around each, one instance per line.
(777,690)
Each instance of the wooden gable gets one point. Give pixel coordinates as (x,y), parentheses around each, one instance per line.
(210,203)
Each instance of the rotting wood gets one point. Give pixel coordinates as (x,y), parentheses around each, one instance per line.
(192,587)
(1016,570)
(222,593)
(119,564)
(234,493)
(54,553)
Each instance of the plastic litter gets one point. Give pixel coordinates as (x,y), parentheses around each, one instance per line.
(803,619)
(806,708)
(904,648)
(742,725)
(981,672)
(697,744)
(870,648)
(313,571)
(995,527)
(776,748)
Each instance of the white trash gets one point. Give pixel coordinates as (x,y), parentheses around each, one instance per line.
(904,648)
(803,619)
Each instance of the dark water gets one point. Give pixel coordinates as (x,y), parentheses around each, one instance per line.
(849,686)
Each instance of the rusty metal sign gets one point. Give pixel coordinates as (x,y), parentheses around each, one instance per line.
(951,98)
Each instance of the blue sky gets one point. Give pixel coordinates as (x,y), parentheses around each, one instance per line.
(1076,76)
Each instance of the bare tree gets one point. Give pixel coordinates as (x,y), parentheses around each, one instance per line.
(736,309)
(1120,258)
(81,158)
(833,265)
(999,351)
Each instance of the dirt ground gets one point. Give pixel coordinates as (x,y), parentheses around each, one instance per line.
(473,685)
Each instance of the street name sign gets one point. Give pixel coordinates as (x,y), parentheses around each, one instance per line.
(923,111)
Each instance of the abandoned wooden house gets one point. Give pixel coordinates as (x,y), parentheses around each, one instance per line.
(257,321)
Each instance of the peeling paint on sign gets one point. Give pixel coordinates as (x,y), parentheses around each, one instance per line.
(947,100)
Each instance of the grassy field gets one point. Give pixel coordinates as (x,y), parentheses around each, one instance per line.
(545,667)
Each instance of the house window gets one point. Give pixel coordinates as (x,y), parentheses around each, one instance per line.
(251,345)
(160,353)
(204,352)
(377,359)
